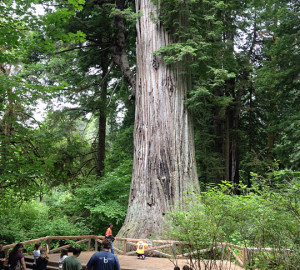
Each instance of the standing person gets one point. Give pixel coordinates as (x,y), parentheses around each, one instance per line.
(16,258)
(36,254)
(72,262)
(2,258)
(140,249)
(109,235)
(104,260)
(63,255)
(42,261)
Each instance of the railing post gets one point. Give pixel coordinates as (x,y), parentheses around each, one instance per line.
(6,255)
(223,251)
(249,256)
(174,250)
(48,243)
(96,244)
(244,256)
(228,255)
(125,247)
(89,245)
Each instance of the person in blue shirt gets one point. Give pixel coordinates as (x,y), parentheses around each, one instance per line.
(104,260)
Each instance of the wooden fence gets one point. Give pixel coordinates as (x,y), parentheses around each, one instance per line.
(156,246)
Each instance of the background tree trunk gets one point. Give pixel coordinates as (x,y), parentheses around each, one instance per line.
(102,123)
(6,122)
(164,168)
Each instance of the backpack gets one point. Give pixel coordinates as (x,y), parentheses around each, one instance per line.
(18,266)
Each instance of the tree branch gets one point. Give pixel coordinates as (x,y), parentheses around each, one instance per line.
(119,54)
(81,47)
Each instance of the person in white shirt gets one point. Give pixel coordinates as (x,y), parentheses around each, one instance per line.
(63,255)
(36,254)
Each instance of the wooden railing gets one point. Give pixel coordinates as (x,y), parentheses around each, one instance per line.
(156,247)
(48,239)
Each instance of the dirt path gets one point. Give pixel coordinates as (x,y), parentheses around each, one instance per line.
(132,263)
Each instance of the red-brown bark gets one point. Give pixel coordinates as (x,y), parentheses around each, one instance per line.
(164,170)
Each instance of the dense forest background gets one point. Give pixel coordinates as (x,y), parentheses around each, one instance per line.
(69,172)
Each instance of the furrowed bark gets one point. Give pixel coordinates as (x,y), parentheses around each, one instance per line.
(164,170)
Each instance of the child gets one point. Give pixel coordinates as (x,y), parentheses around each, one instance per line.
(63,255)
(140,249)
(36,254)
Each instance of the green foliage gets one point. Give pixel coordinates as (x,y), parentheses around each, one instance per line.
(97,203)
(87,209)
(278,78)
(243,57)
(262,216)
(33,220)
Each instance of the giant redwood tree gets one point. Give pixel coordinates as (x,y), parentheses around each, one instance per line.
(164,169)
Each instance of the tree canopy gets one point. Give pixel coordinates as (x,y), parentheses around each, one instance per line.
(78,59)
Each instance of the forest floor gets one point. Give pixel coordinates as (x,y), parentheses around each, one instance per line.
(151,263)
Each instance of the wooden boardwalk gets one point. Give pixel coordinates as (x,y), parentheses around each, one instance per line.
(150,263)
(158,247)
(128,260)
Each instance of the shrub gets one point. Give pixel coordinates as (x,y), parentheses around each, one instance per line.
(262,216)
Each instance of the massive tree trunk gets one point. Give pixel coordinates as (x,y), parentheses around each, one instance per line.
(164,169)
